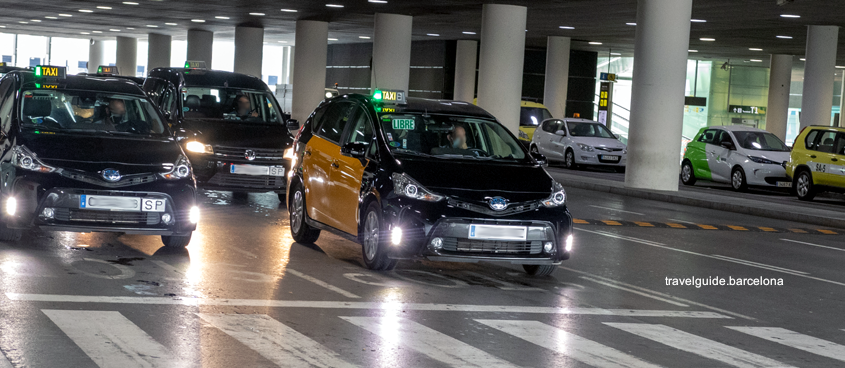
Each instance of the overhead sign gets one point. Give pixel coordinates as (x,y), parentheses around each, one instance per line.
(50,71)
(107,69)
(742,109)
(610,77)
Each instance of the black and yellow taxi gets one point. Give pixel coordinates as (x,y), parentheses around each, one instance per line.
(230,125)
(85,154)
(421,178)
(6,68)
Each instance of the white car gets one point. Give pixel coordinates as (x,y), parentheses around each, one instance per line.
(579,142)
(738,155)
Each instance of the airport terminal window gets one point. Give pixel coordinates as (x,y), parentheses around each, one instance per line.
(88,112)
(230,104)
(332,123)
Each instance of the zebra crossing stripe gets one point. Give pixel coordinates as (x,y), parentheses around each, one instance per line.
(576,347)
(426,341)
(111,340)
(275,341)
(698,345)
(796,340)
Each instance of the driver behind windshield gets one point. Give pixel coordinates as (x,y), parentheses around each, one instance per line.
(244,108)
(116,112)
(457,137)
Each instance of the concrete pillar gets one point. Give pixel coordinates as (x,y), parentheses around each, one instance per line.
(657,96)
(283,79)
(466,59)
(777,109)
(309,79)
(391,51)
(842,102)
(501,60)
(199,45)
(292,58)
(158,51)
(557,75)
(127,55)
(817,99)
(95,55)
(249,50)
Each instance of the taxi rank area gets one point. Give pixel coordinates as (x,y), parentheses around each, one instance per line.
(191,216)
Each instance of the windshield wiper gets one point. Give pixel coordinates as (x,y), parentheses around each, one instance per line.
(410,152)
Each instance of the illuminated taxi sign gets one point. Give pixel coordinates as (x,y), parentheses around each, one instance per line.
(107,69)
(195,64)
(46,85)
(3,63)
(391,96)
(45,71)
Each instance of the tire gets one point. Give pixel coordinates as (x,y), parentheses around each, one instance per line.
(687,173)
(176,241)
(373,237)
(539,270)
(299,229)
(569,160)
(282,198)
(9,235)
(803,186)
(739,182)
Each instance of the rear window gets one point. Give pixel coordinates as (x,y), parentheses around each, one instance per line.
(532,116)
(810,140)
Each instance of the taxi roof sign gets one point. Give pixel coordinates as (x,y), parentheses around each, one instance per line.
(195,64)
(3,63)
(389,96)
(107,69)
(48,71)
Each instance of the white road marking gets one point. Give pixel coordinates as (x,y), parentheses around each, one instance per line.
(815,245)
(698,345)
(617,210)
(576,347)
(634,291)
(431,343)
(796,340)
(322,283)
(505,285)
(359,305)
(275,341)
(111,340)
(682,221)
(667,296)
(453,283)
(760,265)
(727,259)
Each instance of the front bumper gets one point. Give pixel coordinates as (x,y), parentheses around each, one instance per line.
(765,175)
(215,174)
(598,158)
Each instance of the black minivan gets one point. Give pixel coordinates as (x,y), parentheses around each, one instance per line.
(229,124)
(87,154)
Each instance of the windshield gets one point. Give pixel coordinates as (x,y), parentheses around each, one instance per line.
(532,116)
(449,137)
(231,104)
(579,129)
(760,141)
(87,111)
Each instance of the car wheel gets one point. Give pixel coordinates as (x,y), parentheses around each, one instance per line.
(176,241)
(281,197)
(738,182)
(374,241)
(539,270)
(687,173)
(569,159)
(804,186)
(299,229)
(9,235)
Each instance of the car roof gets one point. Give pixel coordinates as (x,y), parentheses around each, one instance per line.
(579,120)
(531,104)
(211,78)
(430,105)
(839,129)
(736,128)
(85,82)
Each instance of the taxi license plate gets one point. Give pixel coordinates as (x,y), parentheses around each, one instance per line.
(257,170)
(784,184)
(609,158)
(109,203)
(496,232)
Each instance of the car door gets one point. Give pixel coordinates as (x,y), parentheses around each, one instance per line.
(837,169)
(824,163)
(717,157)
(697,153)
(540,137)
(556,144)
(320,155)
(347,176)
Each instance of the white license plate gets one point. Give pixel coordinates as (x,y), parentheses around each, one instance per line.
(497,232)
(257,170)
(784,184)
(610,158)
(110,203)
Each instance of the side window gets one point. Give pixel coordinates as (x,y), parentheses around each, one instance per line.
(810,140)
(362,129)
(333,122)
(724,136)
(7,102)
(317,117)
(839,146)
(709,136)
(168,100)
(825,142)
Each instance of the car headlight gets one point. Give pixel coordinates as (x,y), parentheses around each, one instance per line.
(523,135)
(25,159)
(558,197)
(198,147)
(625,151)
(585,147)
(180,170)
(405,186)
(761,160)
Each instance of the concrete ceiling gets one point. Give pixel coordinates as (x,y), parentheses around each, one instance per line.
(737,25)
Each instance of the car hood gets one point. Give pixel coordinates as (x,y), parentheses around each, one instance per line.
(234,134)
(473,181)
(776,156)
(599,142)
(95,153)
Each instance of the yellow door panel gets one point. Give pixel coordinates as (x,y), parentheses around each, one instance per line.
(319,155)
(345,189)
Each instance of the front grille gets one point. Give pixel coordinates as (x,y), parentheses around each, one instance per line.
(492,246)
(247,181)
(110,217)
(261,154)
(608,149)
(126,181)
(774,179)
(485,209)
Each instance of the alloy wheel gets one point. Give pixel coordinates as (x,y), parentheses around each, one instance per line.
(371,229)
(803,186)
(298,212)
(686,172)
(736,179)
(570,160)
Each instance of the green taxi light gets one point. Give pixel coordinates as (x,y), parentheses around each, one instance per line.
(38,71)
(187,65)
(377,95)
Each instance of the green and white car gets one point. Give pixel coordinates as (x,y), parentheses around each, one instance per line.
(738,155)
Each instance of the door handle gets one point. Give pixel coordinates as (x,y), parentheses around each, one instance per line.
(335,165)
(812,156)
(308,152)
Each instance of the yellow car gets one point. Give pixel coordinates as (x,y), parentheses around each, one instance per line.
(531,114)
(817,161)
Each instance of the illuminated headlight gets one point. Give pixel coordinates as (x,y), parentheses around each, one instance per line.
(761,160)
(396,236)
(11,206)
(27,160)
(437,243)
(181,170)
(625,151)
(558,197)
(403,185)
(547,247)
(328,95)
(194,146)
(48,212)
(585,147)
(194,215)
(569,241)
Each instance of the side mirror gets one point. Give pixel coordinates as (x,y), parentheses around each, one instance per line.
(293,124)
(540,158)
(354,149)
(728,144)
(561,133)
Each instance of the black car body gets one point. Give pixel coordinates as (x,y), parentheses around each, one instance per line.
(451,196)
(199,105)
(70,164)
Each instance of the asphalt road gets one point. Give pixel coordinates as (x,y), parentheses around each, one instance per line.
(243,294)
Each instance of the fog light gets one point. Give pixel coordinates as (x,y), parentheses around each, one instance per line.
(569,242)
(547,247)
(11,206)
(48,212)
(166,218)
(194,215)
(396,236)
(437,243)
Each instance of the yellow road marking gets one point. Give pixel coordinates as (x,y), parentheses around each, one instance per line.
(643,224)
(823,231)
(798,231)
(677,226)
(707,227)
(611,222)
(740,228)
(579,221)
(766,228)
